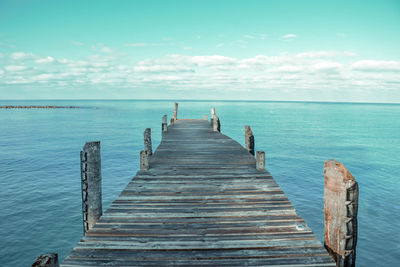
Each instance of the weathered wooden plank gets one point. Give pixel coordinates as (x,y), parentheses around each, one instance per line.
(201,202)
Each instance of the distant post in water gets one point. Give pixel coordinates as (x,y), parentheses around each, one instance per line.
(147,141)
(249,139)
(340,208)
(91,184)
(216,124)
(164,123)
(176,111)
(144,160)
(260,160)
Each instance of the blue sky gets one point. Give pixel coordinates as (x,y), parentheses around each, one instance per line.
(258,50)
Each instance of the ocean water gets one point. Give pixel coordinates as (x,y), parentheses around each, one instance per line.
(40,202)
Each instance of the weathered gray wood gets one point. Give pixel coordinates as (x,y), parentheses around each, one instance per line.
(91,184)
(202,202)
(147,142)
(260,160)
(47,260)
(340,207)
(176,111)
(249,139)
(144,160)
(164,124)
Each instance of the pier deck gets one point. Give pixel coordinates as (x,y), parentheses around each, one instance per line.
(202,202)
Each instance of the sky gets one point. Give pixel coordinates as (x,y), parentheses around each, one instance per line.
(347,51)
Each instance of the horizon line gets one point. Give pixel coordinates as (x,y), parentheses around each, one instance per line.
(209,100)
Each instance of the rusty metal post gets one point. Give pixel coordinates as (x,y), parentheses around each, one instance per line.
(260,160)
(164,124)
(171,122)
(249,139)
(47,260)
(144,160)
(91,184)
(205,117)
(147,141)
(176,111)
(340,208)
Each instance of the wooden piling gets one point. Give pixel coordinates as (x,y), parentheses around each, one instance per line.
(147,141)
(46,260)
(340,208)
(176,111)
(260,160)
(91,184)
(216,124)
(212,116)
(249,139)
(164,124)
(144,160)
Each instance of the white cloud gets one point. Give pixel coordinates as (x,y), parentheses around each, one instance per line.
(317,54)
(211,60)
(162,68)
(376,66)
(349,54)
(288,69)
(310,70)
(137,44)
(328,66)
(45,60)
(13,68)
(20,55)
(248,36)
(75,43)
(106,49)
(289,36)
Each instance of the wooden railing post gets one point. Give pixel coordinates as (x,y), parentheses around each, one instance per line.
(164,123)
(216,124)
(176,111)
(47,260)
(249,139)
(340,208)
(91,184)
(212,116)
(147,141)
(144,160)
(260,160)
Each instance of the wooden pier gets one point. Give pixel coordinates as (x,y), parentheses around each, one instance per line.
(202,201)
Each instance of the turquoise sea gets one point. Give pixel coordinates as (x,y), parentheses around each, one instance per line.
(40,201)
